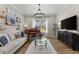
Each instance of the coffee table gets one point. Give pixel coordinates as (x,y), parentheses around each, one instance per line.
(41,42)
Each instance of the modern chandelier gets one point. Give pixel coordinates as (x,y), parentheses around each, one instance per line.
(39,13)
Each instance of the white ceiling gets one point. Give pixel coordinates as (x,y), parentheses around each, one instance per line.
(48,9)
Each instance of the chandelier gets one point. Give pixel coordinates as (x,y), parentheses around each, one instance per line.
(39,13)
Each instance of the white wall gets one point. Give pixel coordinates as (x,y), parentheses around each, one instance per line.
(68,11)
(51,21)
(28,21)
(12,28)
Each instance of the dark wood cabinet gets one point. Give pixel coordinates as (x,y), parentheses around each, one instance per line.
(70,39)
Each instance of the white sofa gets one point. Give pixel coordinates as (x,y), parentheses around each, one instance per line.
(13,46)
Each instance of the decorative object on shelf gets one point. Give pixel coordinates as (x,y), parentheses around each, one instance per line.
(2,26)
(39,14)
(55,28)
(11,17)
(2,17)
(18,19)
(18,27)
(2,14)
(26,26)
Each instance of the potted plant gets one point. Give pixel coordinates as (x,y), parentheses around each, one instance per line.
(55,28)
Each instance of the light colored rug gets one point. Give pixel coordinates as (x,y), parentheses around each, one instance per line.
(41,49)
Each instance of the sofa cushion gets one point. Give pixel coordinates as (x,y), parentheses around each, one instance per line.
(22,39)
(11,46)
(6,35)
(11,36)
(19,34)
(1,50)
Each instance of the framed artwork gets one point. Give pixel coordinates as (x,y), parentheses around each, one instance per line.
(11,17)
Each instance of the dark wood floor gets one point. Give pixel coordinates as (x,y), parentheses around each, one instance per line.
(58,45)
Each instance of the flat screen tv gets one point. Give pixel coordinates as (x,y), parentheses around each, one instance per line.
(69,23)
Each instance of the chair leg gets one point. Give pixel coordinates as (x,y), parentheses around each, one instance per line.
(46,45)
(35,44)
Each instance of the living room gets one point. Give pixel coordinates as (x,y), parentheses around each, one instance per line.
(14,23)
(23,30)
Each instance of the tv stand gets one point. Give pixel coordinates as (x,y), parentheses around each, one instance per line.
(70,39)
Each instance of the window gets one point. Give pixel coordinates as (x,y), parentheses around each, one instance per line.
(41,24)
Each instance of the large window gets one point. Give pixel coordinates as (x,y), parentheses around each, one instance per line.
(41,24)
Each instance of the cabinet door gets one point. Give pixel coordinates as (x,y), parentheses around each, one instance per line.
(75,42)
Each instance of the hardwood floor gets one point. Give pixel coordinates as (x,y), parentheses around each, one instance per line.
(61,48)
(58,45)
(23,48)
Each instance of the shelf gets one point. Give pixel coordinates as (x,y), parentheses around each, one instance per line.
(2,16)
(2,29)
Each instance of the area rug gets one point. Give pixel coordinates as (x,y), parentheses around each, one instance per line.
(41,49)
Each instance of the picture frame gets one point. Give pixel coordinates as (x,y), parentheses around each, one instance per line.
(10,17)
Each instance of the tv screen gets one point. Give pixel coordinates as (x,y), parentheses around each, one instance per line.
(69,23)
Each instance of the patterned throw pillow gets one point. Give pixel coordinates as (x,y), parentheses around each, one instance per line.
(3,40)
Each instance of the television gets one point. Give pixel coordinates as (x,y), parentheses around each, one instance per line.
(69,23)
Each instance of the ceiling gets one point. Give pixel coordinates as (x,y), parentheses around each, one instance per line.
(48,9)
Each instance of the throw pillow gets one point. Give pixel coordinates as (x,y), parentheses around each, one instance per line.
(11,36)
(19,34)
(3,41)
(22,34)
(6,35)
